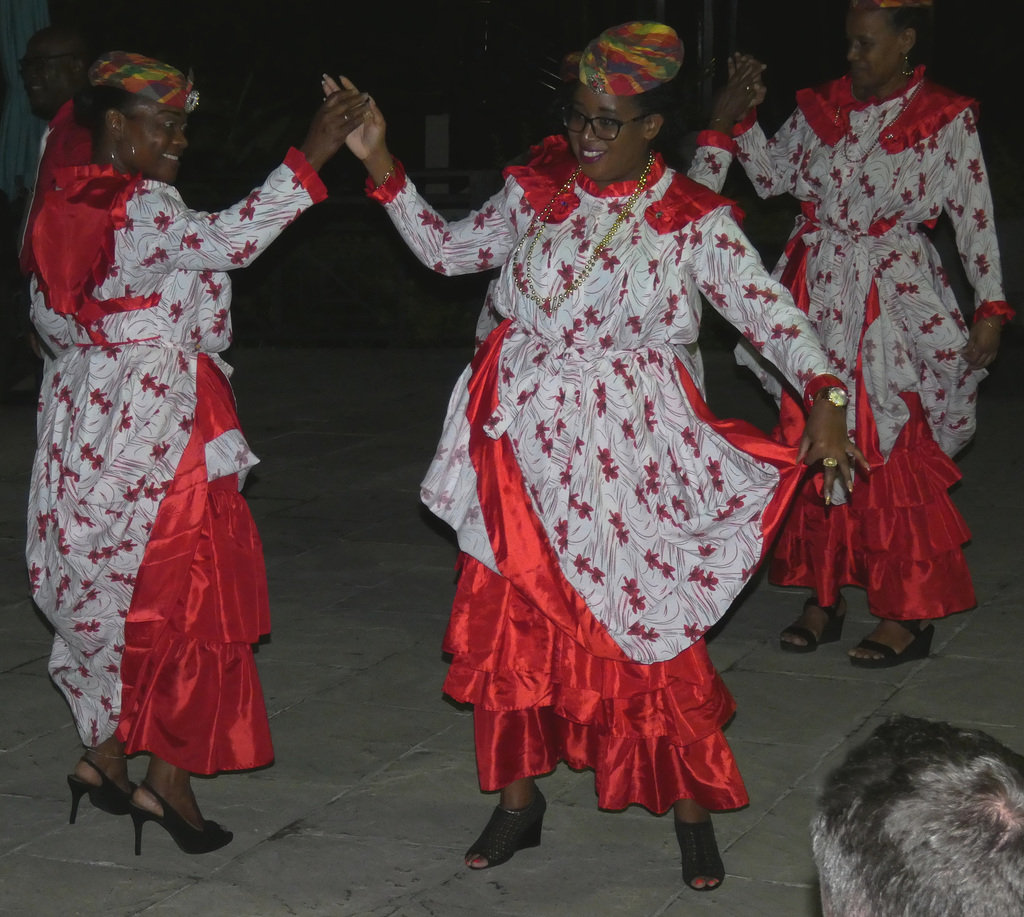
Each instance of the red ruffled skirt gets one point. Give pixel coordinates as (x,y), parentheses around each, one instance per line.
(899,537)
(191,694)
(651,733)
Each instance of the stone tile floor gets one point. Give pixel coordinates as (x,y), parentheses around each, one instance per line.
(373,797)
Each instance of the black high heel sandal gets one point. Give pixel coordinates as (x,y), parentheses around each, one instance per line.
(700,855)
(508,832)
(830,633)
(187,836)
(107,796)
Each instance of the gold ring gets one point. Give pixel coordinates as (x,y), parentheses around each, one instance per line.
(829,462)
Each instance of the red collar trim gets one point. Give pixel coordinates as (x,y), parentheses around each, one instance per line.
(621,188)
(827,109)
(550,166)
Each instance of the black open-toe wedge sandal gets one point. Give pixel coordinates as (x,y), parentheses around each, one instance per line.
(831,632)
(699,851)
(918,648)
(507,832)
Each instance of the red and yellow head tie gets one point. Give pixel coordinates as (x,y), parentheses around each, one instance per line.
(631,58)
(145,77)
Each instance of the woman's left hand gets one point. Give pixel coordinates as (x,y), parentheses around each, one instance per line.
(983,344)
(825,438)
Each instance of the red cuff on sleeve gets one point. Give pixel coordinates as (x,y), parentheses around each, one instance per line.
(825,380)
(306,174)
(741,127)
(994,308)
(394,183)
(717,140)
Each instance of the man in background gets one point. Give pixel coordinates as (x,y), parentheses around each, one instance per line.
(54,68)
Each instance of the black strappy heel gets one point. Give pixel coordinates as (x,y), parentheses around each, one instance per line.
(107,796)
(700,855)
(187,836)
(509,831)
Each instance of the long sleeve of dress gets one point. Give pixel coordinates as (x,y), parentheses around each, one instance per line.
(969,205)
(478,242)
(732,278)
(772,165)
(167,236)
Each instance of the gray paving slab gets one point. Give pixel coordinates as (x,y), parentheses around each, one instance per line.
(373,796)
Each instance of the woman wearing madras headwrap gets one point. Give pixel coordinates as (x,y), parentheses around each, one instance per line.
(142,553)
(874,158)
(606,518)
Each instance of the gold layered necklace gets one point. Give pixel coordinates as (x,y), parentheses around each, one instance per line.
(535,230)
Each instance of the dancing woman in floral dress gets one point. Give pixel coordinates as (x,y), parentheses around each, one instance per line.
(606,518)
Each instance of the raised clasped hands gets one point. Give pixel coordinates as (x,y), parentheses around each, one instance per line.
(826,440)
(367,142)
(340,114)
(742,92)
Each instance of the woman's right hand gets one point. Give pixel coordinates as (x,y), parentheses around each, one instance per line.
(743,91)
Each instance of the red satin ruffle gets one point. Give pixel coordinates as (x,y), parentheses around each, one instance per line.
(652,733)
(191,693)
(900,537)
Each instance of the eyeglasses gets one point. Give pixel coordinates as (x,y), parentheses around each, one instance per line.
(40,62)
(603,128)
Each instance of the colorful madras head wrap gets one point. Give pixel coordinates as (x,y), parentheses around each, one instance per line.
(631,58)
(143,76)
(887,4)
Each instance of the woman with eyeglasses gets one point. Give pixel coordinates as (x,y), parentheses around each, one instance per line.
(606,519)
(876,158)
(142,552)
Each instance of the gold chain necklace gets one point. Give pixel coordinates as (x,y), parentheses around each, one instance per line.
(884,132)
(524,280)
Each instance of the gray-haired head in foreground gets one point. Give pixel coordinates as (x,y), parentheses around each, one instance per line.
(923,820)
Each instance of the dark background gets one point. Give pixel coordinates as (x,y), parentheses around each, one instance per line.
(490,65)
